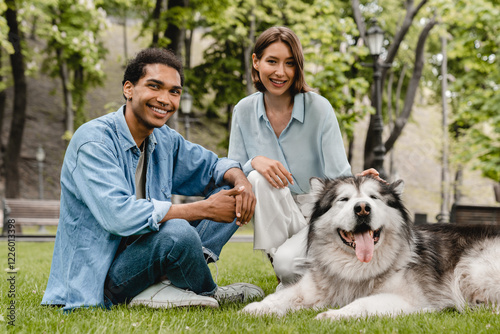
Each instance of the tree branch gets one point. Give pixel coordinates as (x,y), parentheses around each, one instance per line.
(412,87)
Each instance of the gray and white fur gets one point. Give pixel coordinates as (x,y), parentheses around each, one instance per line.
(367,258)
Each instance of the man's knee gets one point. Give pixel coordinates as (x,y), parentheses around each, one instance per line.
(178,236)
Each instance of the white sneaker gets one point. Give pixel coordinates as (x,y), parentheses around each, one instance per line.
(238,292)
(165,295)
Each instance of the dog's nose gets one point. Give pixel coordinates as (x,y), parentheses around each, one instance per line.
(362,209)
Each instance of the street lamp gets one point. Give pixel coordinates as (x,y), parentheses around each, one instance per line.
(374,40)
(186,105)
(40,158)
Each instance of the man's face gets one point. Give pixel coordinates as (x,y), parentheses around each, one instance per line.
(155,97)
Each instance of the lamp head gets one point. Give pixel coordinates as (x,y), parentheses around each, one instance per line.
(40,154)
(186,103)
(374,38)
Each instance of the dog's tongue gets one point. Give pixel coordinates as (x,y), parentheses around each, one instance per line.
(364,246)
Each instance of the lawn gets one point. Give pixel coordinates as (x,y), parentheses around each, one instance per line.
(239,263)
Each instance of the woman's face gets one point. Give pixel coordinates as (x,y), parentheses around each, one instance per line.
(276,68)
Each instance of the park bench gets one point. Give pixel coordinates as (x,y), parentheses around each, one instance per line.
(28,212)
(475,214)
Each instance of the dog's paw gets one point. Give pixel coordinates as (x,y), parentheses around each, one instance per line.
(261,308)
(334,315)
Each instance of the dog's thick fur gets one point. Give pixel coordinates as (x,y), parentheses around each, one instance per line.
(368,259)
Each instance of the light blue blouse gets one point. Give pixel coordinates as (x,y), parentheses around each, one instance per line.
(310,145)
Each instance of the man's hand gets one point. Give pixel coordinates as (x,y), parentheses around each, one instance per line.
(273,170)
(245,199)
(221,206)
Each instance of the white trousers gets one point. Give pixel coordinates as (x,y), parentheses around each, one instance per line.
(281,227)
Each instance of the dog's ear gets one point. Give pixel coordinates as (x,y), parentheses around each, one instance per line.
(398,187)
(317,186)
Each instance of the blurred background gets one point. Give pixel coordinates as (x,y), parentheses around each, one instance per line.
(415,84)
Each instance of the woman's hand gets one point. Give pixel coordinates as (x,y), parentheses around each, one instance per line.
(373,172)
(273,170)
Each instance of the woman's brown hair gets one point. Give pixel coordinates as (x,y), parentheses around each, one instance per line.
(287,36)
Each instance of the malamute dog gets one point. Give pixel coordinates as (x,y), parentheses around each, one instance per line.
(367,258)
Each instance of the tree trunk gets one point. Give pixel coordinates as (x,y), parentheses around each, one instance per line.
(411,12)
(173,32)
(78,95)
(188,41)
(412,87)
(19,111)
(68,99)
(229,110)
(444,215)
(247,54)
(156,22)
(457,185)
(391,113)
(3,97)
(125,38)
(350,149)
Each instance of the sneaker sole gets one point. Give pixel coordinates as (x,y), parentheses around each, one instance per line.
(167,305)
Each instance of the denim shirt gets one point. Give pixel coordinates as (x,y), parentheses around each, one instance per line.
(310,145)
(98,203)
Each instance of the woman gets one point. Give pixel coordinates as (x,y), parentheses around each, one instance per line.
(283,135)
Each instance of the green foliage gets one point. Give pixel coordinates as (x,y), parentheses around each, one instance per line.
(4,30)
(331,44)
(72,32)
(332,60)
(323,26)
(474,54)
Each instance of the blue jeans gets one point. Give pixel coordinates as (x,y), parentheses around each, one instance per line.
(179,251)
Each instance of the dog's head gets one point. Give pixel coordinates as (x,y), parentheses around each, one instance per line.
(355,218)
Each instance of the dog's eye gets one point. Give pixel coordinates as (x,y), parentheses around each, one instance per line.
(374,197)
(343,199)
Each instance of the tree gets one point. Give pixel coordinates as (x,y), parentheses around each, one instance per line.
(474,53)
(74,52)
(325,30)
(121,9)
(19,109)
(397,39)
(332,54)
(5,47)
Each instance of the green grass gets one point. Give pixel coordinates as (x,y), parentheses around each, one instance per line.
(239,263)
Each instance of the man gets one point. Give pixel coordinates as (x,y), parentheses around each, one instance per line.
(120,239)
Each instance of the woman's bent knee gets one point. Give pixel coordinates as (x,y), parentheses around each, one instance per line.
(284,267)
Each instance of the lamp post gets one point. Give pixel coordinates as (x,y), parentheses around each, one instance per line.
(186,105)
(40,158)
(374,40)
